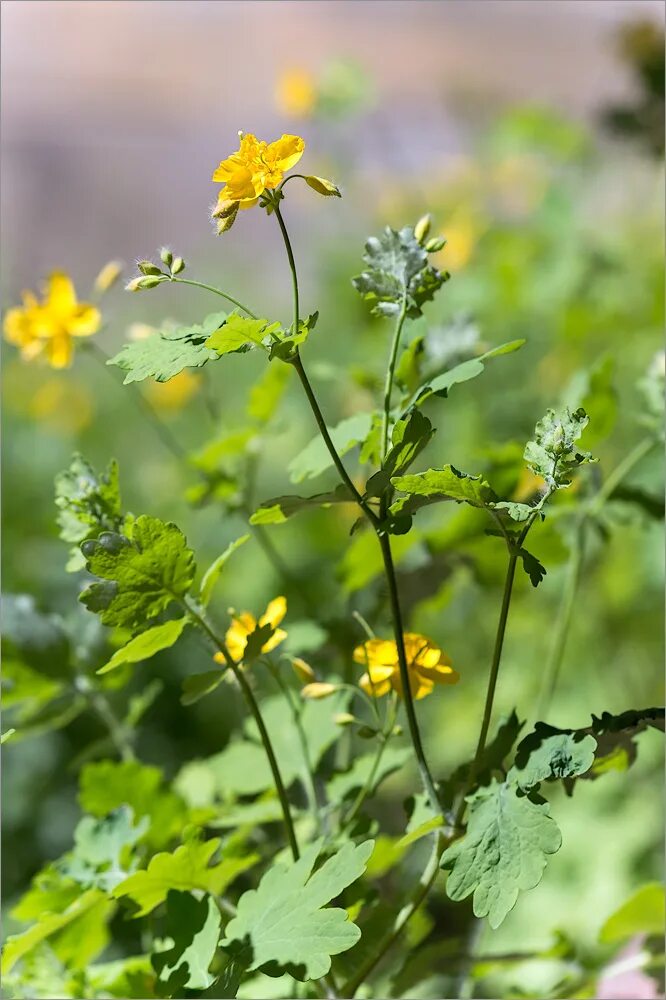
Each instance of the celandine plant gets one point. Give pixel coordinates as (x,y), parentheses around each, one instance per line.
(297,884)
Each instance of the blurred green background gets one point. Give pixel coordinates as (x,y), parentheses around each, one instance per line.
(533,133)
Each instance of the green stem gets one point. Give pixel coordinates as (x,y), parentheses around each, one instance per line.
(216,291)
(253,705)
(390,372)
(308,771)
(367,787)
(414,901)
(101,707)
(621,470)
(292,262)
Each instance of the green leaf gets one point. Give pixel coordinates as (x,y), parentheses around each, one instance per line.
(146,644)
(643,913)
(463,372)
(595,392)
(197,686)
(212,574)
(411,433)
(286,347)
(553,454)
(91,939)
(534,569)
(87,504)
(165,354)
(38,639)
(239,333)
(187,868)
(286,920)
(266,393)
(503,851)
(99,845)
(421,830)
(143,574)
(562,755)
(192,930)
(344,783)
(315,457)
(397,271)
(438,485)
(106,785)
(279,509)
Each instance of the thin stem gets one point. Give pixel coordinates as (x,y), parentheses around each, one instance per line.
(398,631)
(621,470)
(101,707)
(414,901)
(253,705)
(164,434)
(292,262)
(216,291)
(390,371)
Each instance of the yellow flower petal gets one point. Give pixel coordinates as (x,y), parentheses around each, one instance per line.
(285,151)
(275,612)
(278,636)
(319,689)
(58,351)
(376,651)
(84,320)
(374,690)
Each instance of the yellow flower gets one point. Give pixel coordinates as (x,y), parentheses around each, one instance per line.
(296,93)
(256,167)
(244,624)
(176,393)
(426,663)
(48,327)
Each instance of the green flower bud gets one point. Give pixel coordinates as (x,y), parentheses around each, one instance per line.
(166,256)
(149,282)
(178,265)
(147,267)
(422,228)
(435,244)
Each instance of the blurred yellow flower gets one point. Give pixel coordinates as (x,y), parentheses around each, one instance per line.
(296,93)
(244,624)
(461,238)
(108,276)
(256,167)
(174,394)
(66,406)
(426,663)
(48,327)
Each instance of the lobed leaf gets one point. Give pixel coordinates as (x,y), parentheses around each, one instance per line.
(87,504)
(165,354)
(397,271)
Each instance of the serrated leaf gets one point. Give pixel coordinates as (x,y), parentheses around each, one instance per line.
(397,271)
(146,644)
(187,868)
(464,372)
(411,433)
(193,930)
(163,355)
(142,575)
(87,504)
(503,851)
(315,458)
(286,920)
(239,333)
(561,755)
(212,574)
(439,485)
(279,509)
(553,454)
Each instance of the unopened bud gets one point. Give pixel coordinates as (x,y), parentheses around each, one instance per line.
(133,285)
(147,267)
(108,276)
(422,228)
(366,732)
(303,670)
(343,719)
(166,256)
(319,689)
(141,283)
(178,265)
(323,186)
(435,244)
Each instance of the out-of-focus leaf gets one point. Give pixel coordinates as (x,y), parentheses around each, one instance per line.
(147,644)
(643,913)
(344,783)
(212,574)
(464,372)
(279,509)
(36,638)
(97,858)
(315,458)
(197,686)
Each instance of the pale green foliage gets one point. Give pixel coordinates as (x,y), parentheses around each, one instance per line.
(560,756)
(286,920)
(315,458)
(278,509)
(397,272)
(146,644)
(553,453)
(187,868)
(437,485)
(142,574)
(166,353)
(463,372)
(87,504)
(97,860)
(193,928)
(212,574)
(643,913)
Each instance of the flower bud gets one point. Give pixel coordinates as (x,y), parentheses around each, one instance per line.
(318,689)
(366,732)
(303,670)
(166,256)
(322,186)
(435,244)
(178,265)
(137,284)
(147,267)
(422,228)
(108,276)
(343,719)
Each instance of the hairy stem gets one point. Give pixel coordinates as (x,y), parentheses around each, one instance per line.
(216,291)
(390,372)
(253,705)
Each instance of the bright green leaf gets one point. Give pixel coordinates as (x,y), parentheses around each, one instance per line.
(315,457)
(437,485)
(463,372)
(146,644)
(239,333)
(212,574)
(279,509)
(643,913)
(87,504)
(165,354)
